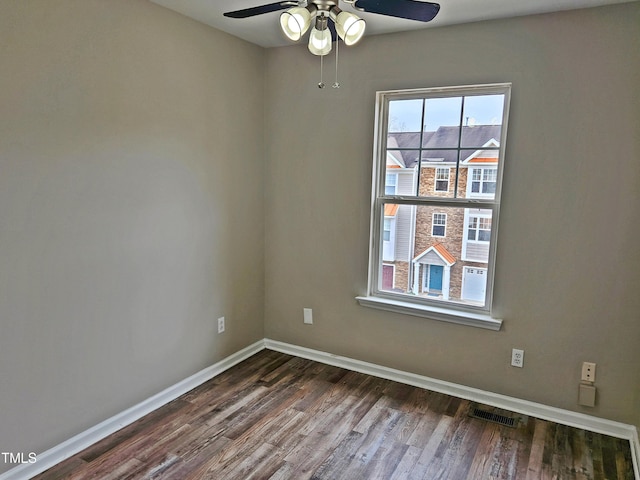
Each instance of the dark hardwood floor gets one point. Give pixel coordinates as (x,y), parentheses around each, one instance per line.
(274,416)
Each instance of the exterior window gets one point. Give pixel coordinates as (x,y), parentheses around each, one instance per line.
(479,229)
(484,181)
(439,224)
(442,179)
(386,234)
(391,184)
(447,144)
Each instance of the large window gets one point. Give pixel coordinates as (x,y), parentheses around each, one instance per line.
(448,145)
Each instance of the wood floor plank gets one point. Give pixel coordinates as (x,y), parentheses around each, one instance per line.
(430,449)
(534,470)
(193,467)
(275,416)
(139,428)
(353,457)
(484,457)
(324,431)
(407,463)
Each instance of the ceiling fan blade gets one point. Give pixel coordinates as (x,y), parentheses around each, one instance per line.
(269,7)
(410,9)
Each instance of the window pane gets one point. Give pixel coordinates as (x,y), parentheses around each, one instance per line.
(442,179)
(489,188)
(478,228)
(442,173)
(402,158)
(478,173)
(386,231)
(483,111)
(406,116)
(429,265)
(435,181)
(391,181)
(441,123)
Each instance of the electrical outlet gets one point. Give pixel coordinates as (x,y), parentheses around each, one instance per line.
(307,316)
(517,358)
(221,325)
(588,372)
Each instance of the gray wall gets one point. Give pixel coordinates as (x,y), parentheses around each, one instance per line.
(568,269)
(131,208)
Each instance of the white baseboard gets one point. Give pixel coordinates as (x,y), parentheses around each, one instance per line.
(87,438)
(545,412)
(111,425)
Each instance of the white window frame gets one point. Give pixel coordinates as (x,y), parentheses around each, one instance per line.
(436,179)
(476,316)
(433,224)
(465,234)
(482,181)
(394,176)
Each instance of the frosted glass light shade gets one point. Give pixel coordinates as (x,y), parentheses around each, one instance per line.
(320,41)
(295,22)
(350,27)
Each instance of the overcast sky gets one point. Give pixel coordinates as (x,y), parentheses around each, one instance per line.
(406,115)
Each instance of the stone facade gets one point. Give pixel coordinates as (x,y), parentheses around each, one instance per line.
(424,238)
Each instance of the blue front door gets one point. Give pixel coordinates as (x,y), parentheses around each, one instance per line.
(435,277)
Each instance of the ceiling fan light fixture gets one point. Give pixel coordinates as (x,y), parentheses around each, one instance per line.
(349,26)
(295,22)
(320,37)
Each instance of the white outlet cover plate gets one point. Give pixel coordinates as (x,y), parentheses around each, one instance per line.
(517,358)
(308,316)
(588,372)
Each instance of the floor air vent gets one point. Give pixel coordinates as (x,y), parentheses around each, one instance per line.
(486,414)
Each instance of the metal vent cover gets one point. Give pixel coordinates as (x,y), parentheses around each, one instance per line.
(494,415)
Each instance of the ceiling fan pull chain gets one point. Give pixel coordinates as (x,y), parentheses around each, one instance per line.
(336,83)
(321,83)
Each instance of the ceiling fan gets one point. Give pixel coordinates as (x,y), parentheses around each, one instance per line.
(300,15)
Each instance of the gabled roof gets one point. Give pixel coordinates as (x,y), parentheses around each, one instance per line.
(394,157)
(472,139)
(440,250)
(484,154)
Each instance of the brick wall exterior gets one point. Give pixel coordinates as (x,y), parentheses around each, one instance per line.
(454,232)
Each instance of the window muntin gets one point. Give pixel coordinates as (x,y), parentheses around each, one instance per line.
(460,131)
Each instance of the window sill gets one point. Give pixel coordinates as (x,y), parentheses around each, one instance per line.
(470,319)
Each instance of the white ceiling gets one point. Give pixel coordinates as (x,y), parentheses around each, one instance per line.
(264,29)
